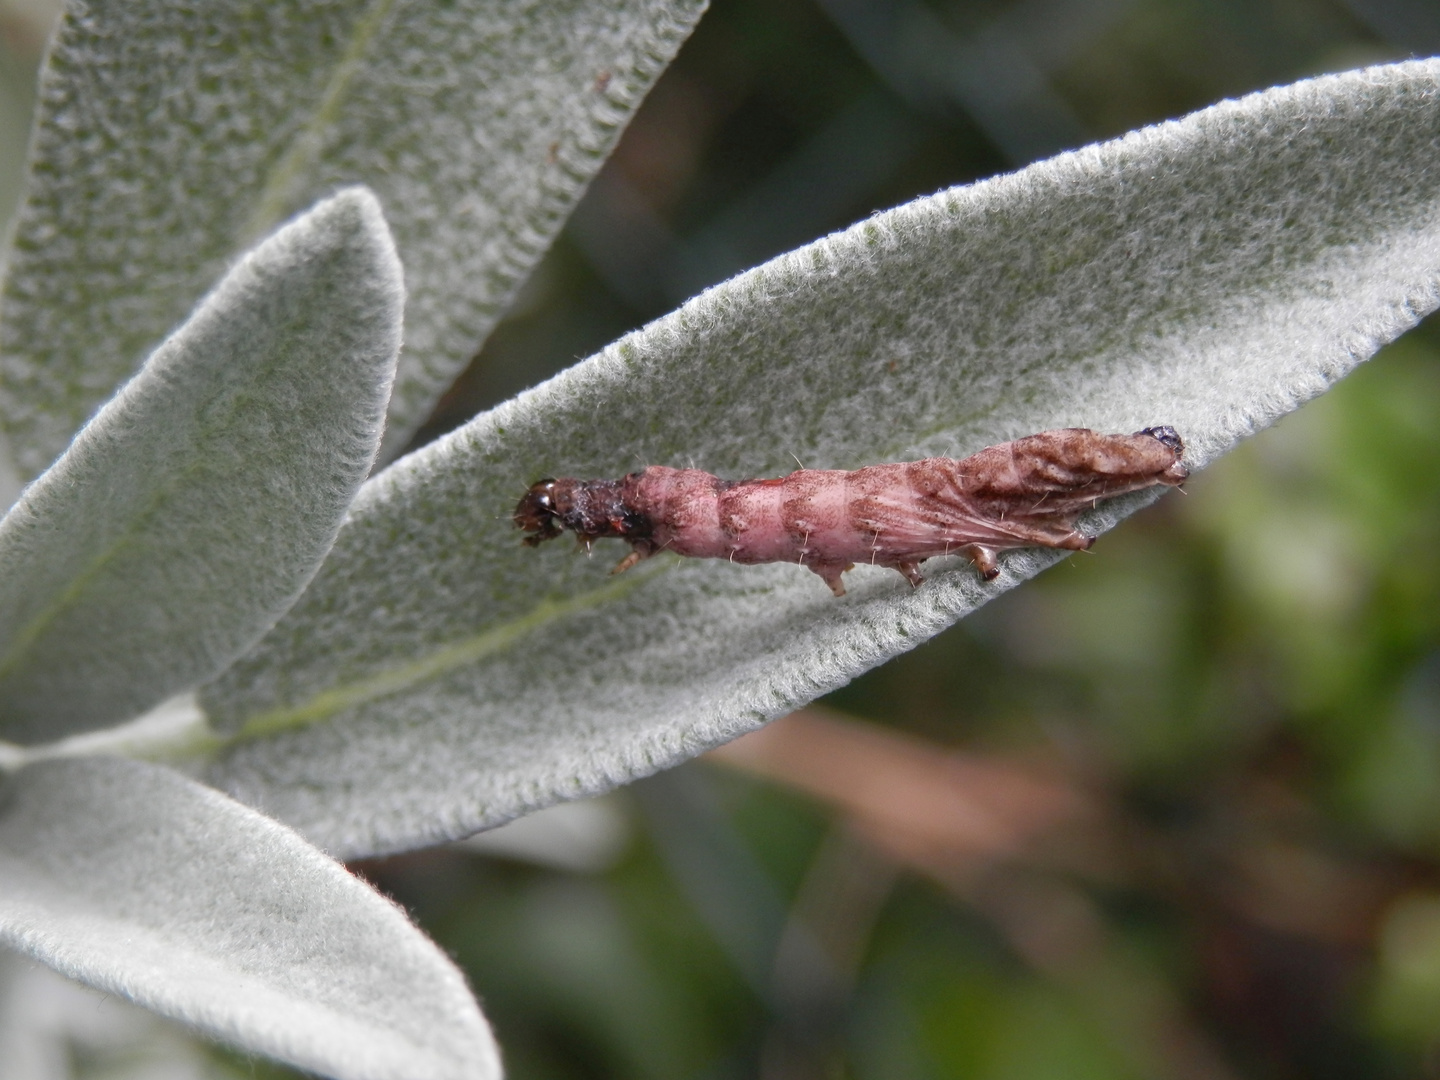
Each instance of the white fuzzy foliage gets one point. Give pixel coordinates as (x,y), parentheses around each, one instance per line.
(140,882)
(1211,273)
(52,1028)
(199,502)
(172,135)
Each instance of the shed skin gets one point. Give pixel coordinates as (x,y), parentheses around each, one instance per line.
(1025,493)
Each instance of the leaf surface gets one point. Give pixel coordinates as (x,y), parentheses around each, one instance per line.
(137,881)
(171,136)
(1211,273)
(197,504)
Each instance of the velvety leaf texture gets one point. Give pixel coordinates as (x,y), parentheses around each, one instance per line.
(197,504)
(172,135)
(140,882)
(1211,273)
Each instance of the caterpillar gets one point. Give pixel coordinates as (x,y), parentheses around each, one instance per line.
(1025,493)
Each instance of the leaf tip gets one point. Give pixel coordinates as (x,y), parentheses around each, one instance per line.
(355,213)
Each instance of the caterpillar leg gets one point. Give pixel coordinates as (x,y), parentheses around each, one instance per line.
(911,570)
(830,572)
(984,560)
(627,562)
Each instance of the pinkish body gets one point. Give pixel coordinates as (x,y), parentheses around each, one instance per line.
(1025,493)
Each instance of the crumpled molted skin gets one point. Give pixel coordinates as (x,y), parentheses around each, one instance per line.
(1025,493)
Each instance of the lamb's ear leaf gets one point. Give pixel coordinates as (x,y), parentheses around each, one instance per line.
(1210,274)
(478,123)
(138,881)
(191,512)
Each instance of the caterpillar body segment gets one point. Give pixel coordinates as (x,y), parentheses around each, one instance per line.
(1025,493)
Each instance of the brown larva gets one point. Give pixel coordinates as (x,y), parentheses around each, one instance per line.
(1026,493)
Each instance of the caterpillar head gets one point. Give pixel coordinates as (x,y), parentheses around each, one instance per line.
(538,514)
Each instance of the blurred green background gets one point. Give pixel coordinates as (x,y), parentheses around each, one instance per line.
(1170,811)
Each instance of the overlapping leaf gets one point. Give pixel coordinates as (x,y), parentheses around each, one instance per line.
(139,882)
(1211,273)
(194,508)
(171,136)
